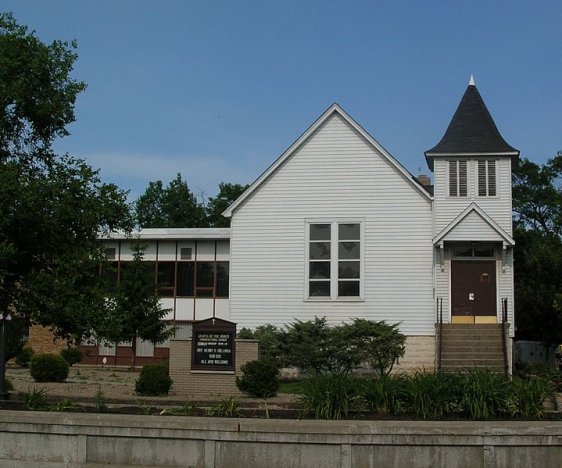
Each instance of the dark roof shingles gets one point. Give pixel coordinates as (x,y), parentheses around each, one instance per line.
(472,129)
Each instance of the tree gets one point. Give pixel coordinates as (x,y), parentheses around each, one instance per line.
(537,206)
(228,193)
(537,195)
(174,206)
(52,208)
(134,310)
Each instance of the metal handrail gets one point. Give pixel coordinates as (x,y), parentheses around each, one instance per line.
(440,333)
(504,337)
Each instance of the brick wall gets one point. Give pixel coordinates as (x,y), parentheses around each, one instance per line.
(41,340)
(199,384)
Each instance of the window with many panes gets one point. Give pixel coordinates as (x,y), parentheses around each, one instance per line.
(334,260)
(458,178)
(180,279)
(487,178)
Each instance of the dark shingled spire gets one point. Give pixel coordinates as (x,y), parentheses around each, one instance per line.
(472,131)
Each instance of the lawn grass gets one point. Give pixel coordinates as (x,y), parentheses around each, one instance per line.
(290,386)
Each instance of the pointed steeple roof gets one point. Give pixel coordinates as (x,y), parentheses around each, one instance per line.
(472,131)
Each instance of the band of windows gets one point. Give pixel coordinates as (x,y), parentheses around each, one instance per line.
(178,279)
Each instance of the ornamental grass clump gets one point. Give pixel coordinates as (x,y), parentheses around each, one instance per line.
(528,396)
(331,396)
(434,395)
(48,368)
(485,394)
(387,394)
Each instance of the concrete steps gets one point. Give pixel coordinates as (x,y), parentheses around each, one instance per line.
(472,346)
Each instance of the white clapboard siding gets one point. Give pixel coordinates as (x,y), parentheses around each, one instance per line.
(498,207)
(336,175)
(474,228)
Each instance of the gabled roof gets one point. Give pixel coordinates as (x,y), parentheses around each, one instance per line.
(473,208)
(472,131)
(333,109)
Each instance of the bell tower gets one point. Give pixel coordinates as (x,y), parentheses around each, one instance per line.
(472,209)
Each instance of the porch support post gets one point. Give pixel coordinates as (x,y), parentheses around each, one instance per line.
(504,256)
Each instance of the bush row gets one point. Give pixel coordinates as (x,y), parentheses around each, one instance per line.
(474,395)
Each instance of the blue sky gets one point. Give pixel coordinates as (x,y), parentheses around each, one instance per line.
(217,90)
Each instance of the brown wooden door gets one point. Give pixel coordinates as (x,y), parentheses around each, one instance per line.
(473,288)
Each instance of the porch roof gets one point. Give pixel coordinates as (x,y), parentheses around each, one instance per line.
(473,224)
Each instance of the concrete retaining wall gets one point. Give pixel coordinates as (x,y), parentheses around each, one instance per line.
(36,439)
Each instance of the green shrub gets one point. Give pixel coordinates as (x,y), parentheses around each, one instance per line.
(24,356)
(259,378)
(48,368)
(329,396)
(72,355)
(315,347)
(154,379)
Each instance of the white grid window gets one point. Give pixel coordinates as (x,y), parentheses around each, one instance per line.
(334,267)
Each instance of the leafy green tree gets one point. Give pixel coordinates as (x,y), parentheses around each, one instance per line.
(537,206)
(174,206)
(538,283)
(537,195)
(228,193)
(17,331)
(52,208)
(134,310)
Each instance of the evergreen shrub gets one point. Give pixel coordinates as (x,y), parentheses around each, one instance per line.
(259,378)
(48,368)
(154,380)
(24,356)
(72,355)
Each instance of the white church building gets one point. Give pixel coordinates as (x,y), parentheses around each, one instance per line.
(336,227)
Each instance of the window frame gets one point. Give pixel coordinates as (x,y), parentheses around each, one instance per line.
(335,260)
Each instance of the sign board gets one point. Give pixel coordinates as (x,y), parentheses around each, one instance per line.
(213,345)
